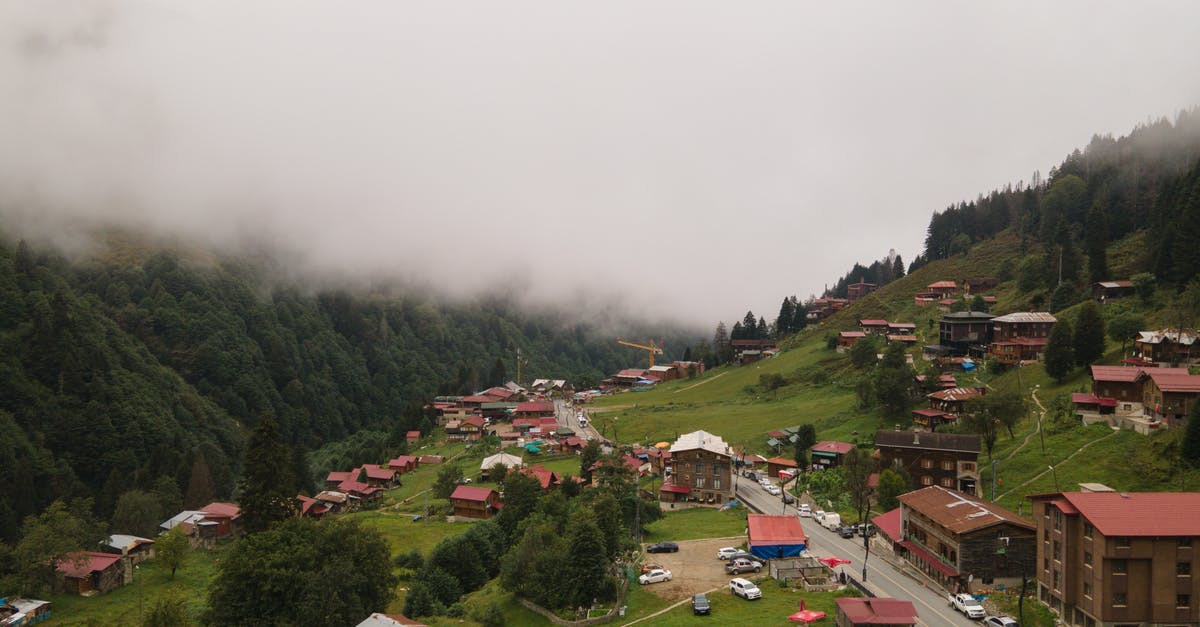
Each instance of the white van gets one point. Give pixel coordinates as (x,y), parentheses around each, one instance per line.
(831,521)
(583,422)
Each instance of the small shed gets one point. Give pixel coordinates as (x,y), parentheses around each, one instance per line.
(86,572)
(775,536)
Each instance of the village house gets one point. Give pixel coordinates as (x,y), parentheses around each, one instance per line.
(1165,347)
(1019,350)
(628,377)
(454,413)
(703,470)
(874,612)
(1109,558)
(1028,324)
(981,284)
(21,612)
(1119,383)
(747,351)
(944,289)
(307,507)
(335,502)
(403,463)
(135,549)
(1104,291)
(964,543)
(534,409)
(501,459)
(1168,394)
(822,308)
(412,437)
(855,291)
(430,459)
(847,339)
(500,393)
(498,411)
(360,492)
(953,401)
(901,328)
(475,401)
(829,454)
(473,502)
(874,327)
(687,369)
(775,465)
(950,460)
(547,478)
(378,476)
(965,332)
(208,524)
(87,572)
(663,373)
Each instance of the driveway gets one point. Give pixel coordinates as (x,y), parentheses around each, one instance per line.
(694,569)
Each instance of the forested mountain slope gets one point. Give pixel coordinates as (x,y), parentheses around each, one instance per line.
(116,373)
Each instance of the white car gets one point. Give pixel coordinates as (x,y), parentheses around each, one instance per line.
(774,490)
(819,515)
(805,511)
(764,482)
(744,588)
(726,553)
(655,576)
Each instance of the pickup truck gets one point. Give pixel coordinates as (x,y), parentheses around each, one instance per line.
(742,565)
(966,604)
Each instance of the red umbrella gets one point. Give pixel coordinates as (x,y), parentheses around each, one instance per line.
(832,562)
(806,616)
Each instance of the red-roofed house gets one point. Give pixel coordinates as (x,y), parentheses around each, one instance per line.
(469,429)
(336,477)
(1168,394)
(1118,382)
(534,409)
(776,464)
(310,507)
(953,400)
(546,477)
(473,502)
(855,291)
(226,518)
(1108,558)
(875,611)
(943,289)
(430,459)
(84,572)
(888,525)
(874,327)
(379,476)
(955,538)
(772,537)
(901,328)
(359,490)
(829,454)
(846,339)
(1093,403)
(412,437)
(403,463)
(475,401)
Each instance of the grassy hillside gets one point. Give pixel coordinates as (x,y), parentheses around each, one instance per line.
(820,390)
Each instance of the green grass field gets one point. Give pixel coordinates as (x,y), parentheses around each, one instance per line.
(773,608)
(697,523)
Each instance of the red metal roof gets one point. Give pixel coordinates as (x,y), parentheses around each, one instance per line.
(1119,374)
(830,446)
(872,323)
(375,471)
(631,372)
(782,461)
(1080,398)
(472,493)
(889,523)
(83,563)
(877,611)
(770,529)
(1140,513)
(929,413)
(403,460)
(339,475)
(229,510)
(924,555)
(355,486)
(413,435)
(852,334)
(942,285)
(1170,380)
(957,394)
(480,398)
(535,407)
(1064,506)
(676,489)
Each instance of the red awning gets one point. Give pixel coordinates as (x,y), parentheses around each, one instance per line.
(677,489)
(929,558)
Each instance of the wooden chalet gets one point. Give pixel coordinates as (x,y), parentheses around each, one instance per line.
(847,339)
(747,351)
(1118,382)
(135,549)
(855,291)
(980,284)
(474,502)
(1104,291)
(548,479)
(307,507)
(901,328)
(776,464)
(965,332)
(954,400)
(534,409)
(874,611)
(830,454)
(944,289)
(1166,347)
(874,327)
(1168,394)
(1022,324)
(1018,350)
(412,437)
(403,463)
(950,460)
(91,572)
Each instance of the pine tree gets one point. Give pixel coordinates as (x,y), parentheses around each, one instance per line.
(1096,239)
(897,268)
(750,326)
(783,324)
(762,331)
(265,490)
(1060,357)
(1088,340)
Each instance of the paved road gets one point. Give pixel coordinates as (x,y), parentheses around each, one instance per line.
(882,578)
(566,417)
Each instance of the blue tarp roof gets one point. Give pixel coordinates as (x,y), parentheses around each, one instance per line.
(532,448)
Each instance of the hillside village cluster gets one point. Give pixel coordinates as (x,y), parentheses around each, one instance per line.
(1099,557)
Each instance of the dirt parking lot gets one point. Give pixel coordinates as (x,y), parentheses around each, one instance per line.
(694,569)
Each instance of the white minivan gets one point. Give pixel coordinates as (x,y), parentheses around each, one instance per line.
(583,422)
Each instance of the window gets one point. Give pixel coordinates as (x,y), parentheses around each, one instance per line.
(968,466)
(1058,519)
(1183,569)
(1087,530)
(1120,567)
(1045,534)
(716,483)
(1057,580)
(926,463)
(699,482)
(926,480)
(1045,563)
(1087,589)
(1121,542)
(1184,543)
(1183,600)
(947,483)
(1087,558)
(1118,599)
(948,465)
(1057,551)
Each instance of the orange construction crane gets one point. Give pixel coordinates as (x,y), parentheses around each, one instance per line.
(650,347)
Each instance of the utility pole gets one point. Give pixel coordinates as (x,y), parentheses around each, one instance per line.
(867,548)
(993,480)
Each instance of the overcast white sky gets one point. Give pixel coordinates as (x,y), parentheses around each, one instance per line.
(693,158)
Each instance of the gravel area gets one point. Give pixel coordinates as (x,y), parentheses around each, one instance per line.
(694,569)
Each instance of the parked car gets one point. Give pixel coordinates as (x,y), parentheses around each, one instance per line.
(819,515)
(1000,621)
(753,476)
(966,604)
(805,511)
(866,530)
(700,605)
(649,566)
(726,553)
(788,499)
(845,532)
(773,490)
(745,589)
(663,547)
(739,566)
(655,576)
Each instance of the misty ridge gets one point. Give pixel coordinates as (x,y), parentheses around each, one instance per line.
(603,162)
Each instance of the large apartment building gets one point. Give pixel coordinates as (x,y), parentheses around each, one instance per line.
(1107,559)
(702,470)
